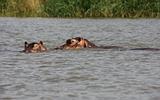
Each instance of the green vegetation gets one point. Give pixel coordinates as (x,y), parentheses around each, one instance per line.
(81,8)
(21,8)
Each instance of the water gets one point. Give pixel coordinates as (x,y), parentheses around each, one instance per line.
(80,74)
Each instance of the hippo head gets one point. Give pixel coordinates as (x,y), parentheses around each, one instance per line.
(34,47)
(81,42)
(84,43)
(71,44)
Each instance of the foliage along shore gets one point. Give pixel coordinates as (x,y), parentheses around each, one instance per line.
(81,8)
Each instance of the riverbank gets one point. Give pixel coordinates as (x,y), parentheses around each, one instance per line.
(81,8)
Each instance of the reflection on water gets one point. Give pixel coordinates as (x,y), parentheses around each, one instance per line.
(80,74)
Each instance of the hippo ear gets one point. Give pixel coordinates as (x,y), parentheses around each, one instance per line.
(25,44)
(78,38)
(41,42)
(68,42)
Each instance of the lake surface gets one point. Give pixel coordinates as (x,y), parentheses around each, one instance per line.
(80,74)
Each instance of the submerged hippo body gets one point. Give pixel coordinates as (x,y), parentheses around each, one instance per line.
(148,49)
(34,47)
(84,43)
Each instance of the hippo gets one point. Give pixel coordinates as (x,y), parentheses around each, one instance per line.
(34,47)
(79,43)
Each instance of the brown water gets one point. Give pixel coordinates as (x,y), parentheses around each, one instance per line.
(80,74)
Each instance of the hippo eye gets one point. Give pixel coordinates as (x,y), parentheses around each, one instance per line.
(35,45)
(73,40)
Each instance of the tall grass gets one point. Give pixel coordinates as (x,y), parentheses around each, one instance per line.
(81,8)
(103,8)
(20,8)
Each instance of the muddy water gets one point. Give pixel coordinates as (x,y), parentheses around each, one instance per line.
(80,74)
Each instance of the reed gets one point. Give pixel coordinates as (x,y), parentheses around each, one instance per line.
(81,8)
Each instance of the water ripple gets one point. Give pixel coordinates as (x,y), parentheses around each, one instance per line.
(90,74)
